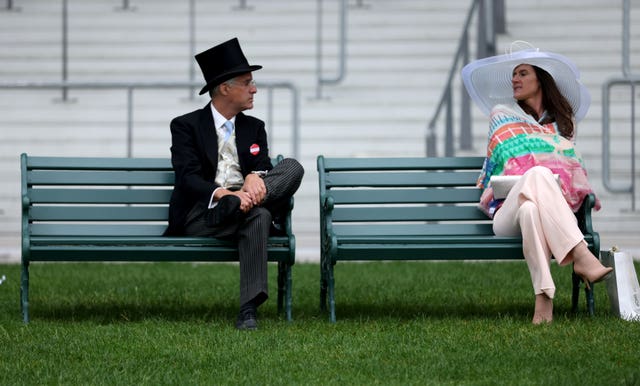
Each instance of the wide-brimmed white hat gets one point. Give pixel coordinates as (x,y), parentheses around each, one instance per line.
(488,80)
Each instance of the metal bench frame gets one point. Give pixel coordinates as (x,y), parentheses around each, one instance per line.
(116,209)
(413,209)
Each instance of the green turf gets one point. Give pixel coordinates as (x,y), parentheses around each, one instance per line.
(401,323)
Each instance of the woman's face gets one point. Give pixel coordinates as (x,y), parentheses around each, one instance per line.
(525,83)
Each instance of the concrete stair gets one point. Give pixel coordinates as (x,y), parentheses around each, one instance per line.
(399,54)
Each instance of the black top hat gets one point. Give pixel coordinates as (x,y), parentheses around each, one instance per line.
(223,62)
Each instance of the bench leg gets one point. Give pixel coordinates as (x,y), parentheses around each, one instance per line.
(323,288)
(281,285)
(24,291)
(332,299)
(575,295)
(289,293)
(285,295)
(591,304)
(327,286)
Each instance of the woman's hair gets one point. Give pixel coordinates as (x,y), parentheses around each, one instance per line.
(557,106)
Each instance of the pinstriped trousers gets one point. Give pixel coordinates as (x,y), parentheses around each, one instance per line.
(536,209)
(252,230)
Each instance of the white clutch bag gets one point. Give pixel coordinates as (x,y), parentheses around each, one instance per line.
(502,184)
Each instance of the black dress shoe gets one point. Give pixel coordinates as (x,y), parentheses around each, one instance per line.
(247,320)
(227,210)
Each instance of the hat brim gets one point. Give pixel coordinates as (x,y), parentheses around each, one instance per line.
(228,75)
(488,80)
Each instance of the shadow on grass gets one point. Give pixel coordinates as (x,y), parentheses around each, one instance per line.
(433,311)
(106,312)
(443,309)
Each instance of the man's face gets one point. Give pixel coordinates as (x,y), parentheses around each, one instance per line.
(240,91)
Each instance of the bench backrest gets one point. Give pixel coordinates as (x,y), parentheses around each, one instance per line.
(95,196)
(419,192)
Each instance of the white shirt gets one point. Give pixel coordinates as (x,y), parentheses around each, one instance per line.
(228,175)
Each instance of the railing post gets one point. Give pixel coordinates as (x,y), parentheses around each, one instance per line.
(296,120)
(633,147)
(243,6)
(466,141)
(65,43)
(626,28)
(319,50)
(126,6)
(486,31)
(10,6)
(192,45)
(481,51)
(269,117)
(130,121)
(499,17)
(342,55)
(448,136)
(432,138)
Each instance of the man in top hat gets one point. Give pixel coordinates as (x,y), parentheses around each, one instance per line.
(225,185)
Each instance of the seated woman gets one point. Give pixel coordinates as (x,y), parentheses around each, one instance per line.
(534,99)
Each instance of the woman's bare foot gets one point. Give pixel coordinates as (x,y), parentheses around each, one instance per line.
(544,310)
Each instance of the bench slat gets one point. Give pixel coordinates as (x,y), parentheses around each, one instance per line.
(103,213)
(408,213)
(75,229)
(135,178)
(98,163)
(160,241)
(344,232)
(99,196)
(423,163)
(150,253)
(442,251)
(391,196)
(399,179)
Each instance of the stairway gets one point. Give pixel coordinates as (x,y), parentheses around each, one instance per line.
(399,54)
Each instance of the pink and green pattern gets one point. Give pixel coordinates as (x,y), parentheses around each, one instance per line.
(517,143)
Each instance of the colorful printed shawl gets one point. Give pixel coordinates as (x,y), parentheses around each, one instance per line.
(517,142)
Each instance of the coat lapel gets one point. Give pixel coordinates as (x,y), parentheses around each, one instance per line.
(207,131)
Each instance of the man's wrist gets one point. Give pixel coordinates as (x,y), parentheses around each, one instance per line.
(260,173)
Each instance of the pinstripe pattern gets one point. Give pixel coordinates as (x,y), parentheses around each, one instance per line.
(282,182)
(252,231)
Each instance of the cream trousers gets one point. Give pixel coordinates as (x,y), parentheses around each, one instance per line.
(536,209)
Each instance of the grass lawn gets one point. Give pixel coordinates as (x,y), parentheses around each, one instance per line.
(401,323)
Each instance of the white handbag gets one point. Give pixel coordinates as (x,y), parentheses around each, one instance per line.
(622,285)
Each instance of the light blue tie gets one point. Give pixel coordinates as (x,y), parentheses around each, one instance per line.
(228,125)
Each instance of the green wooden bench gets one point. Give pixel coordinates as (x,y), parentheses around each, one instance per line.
(116,209)
(412,209)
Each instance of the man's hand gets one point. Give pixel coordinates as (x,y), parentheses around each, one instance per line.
(255,189)
(246,203)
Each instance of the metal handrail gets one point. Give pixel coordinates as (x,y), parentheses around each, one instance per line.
(490,21)
(632,80)
(9,6)
(131,86)
(342,56)
(462,53)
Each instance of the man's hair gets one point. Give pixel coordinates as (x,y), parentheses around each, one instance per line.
(557,106)
(216,89)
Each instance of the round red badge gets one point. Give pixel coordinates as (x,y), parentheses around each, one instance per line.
(254,149)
